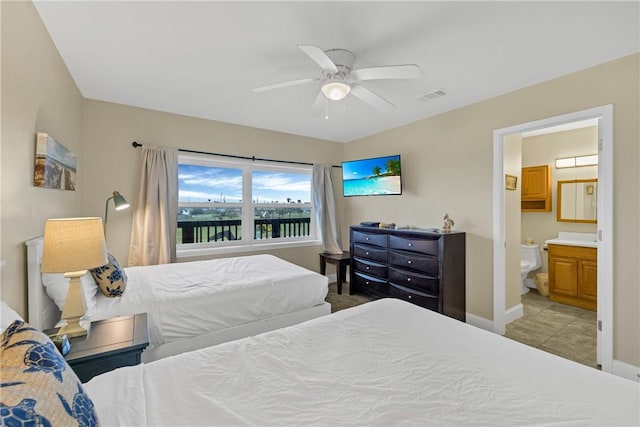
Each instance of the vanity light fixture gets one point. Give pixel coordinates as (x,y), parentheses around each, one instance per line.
(573,162)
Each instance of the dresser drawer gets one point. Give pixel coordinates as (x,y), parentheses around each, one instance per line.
(425,246)
(370,252)
(369,238)
(414,280)
(423,300)
(368,267)
(369,283)
(422,263)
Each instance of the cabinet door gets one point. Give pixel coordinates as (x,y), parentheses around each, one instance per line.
(535,182)
(588,280)
(563,276)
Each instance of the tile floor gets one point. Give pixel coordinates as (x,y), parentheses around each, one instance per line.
(564,330)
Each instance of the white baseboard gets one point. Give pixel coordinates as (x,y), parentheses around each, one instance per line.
(625,370)
(513,313)
(479,322)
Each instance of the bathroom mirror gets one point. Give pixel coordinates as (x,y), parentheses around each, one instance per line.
(577,200)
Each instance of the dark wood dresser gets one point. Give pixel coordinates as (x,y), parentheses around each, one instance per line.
(425,267)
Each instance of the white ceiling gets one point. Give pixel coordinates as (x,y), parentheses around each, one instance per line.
(202,59)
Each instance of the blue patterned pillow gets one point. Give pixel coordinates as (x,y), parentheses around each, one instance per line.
(37,386)
(111,278)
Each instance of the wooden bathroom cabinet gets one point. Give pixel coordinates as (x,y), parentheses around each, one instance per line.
(573,275)
(536,189)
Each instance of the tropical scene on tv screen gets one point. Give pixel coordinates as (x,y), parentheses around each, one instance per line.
(370,177)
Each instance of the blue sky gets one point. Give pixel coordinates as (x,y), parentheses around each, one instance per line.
(203,183)
(358,169)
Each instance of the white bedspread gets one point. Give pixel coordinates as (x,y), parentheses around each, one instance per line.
(190,299)
(383,363)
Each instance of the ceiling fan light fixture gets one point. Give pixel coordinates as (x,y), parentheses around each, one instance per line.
(335,91)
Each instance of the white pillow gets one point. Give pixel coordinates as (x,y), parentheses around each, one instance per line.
(8,316)
(57,287)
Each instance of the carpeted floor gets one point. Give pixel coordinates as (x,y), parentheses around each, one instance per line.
(344,300)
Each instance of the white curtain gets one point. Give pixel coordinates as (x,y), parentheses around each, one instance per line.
(153,235)
(325,206)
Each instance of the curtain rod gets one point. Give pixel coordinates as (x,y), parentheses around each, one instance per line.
(135,144)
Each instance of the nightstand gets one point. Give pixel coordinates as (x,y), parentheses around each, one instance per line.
(110,344)
(341,261)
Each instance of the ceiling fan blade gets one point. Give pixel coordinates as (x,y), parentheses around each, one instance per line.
(319,102)
(285,84)
(319,57)
(409,71)
(371,98)
(319,106)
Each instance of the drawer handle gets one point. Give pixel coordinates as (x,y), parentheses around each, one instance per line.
(366,283)
(408,279)
(366,253)
(409,262)
(410,244)
(367,267)
(410,297)
(366,238)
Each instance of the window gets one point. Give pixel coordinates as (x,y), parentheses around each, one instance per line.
(227,204)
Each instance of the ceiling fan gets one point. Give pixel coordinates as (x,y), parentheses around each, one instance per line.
(339,79)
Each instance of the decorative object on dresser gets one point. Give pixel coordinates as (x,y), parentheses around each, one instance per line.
(113,343)
(448,223)
(425,267)
(72,246)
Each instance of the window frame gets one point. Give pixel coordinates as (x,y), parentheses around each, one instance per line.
(248,242)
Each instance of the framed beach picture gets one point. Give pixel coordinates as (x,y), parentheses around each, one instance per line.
(55,165)
(510,182)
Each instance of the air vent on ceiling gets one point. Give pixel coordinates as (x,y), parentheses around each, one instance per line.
(433,95)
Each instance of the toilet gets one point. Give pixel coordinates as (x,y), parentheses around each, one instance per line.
(530,260)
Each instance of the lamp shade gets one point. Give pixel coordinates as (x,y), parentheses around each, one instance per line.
(119,201)
(73,244)
(335,90)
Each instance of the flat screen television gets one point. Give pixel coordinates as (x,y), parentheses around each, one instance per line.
(378,176)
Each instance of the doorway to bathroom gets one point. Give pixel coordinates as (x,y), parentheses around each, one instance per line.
(603,116)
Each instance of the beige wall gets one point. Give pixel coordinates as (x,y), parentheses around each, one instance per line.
(448,167)
(447,162)
(544,150)
(38,95)
(109,130)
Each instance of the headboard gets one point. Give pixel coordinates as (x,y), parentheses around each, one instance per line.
(43,312)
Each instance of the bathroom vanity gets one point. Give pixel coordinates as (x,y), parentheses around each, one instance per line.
(573,269)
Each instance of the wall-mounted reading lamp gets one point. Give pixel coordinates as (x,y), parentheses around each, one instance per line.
(119,202)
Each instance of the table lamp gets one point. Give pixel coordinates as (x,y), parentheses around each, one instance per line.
(72,246)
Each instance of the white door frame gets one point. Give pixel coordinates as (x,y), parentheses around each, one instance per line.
(605,221)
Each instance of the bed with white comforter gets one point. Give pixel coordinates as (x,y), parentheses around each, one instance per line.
(195,304)
(386,362)
(190,299)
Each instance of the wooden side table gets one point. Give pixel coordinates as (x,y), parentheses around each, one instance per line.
(110,344)
(341,261)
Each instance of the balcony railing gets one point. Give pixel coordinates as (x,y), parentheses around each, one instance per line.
(231,229)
